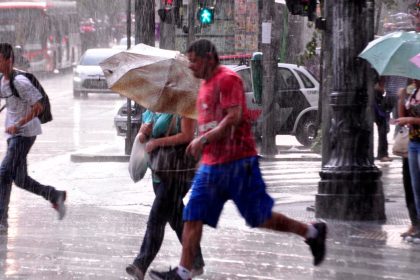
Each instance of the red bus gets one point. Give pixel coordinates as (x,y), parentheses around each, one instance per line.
(48,32)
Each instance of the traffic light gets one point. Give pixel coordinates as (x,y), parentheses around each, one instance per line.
(303,8)
(205,15)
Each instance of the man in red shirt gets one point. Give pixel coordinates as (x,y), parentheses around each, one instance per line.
(229,166)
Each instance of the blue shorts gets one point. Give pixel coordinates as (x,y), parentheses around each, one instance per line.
(241,181)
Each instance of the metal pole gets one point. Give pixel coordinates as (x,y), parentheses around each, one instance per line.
(350,186)
(128,135)
(268,43)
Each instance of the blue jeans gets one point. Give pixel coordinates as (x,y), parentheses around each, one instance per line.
(14,169)
(414,165)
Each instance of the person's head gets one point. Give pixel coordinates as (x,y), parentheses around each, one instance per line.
(203,58)
(6,57)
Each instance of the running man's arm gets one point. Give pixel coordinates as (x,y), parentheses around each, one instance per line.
(36,109)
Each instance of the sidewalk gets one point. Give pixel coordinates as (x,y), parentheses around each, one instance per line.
(107,215)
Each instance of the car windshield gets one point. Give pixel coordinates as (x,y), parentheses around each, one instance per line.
(94,58)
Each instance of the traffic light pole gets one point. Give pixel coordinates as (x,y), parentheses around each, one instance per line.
(128,135)
(270,43)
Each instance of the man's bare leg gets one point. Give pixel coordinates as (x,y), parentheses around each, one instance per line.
(314,234)
(191,237)
(280,222)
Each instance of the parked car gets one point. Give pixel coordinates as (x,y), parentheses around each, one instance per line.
(295,102)
(120,120)
(88,76)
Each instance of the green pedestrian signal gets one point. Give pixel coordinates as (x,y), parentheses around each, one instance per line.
(205,15)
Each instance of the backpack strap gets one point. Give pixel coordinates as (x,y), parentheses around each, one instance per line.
(11,83)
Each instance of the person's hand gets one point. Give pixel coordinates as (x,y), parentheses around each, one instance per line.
(146,129)
(12,129)
(151,145)
(403,121)
(142,138)
(195,148)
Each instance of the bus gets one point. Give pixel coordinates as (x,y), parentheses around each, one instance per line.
(47,31)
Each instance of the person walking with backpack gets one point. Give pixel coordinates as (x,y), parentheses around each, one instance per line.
(229,167)
(21,127)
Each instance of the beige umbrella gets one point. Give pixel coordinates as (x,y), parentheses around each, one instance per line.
(157,79)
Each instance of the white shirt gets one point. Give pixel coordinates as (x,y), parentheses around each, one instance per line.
(19,107)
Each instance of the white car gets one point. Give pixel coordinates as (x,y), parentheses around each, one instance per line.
(295,102)
(88,76)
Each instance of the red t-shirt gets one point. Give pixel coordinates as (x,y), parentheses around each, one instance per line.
(220,92)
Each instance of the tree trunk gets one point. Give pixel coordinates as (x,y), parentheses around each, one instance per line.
(192,7)
(378,15)
(145,22)
(167,31)
(294,38)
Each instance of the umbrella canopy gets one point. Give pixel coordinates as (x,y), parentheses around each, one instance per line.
(390,54)
(157,79)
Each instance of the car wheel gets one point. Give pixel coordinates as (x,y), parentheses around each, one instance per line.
(306,132)
(76,93)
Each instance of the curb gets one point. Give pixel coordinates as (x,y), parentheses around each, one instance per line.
(98,158)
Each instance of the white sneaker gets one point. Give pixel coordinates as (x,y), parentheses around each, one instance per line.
(59,205)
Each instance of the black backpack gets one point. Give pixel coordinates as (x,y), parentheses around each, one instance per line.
(45,116)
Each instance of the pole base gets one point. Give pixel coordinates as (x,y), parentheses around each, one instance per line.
(351,195)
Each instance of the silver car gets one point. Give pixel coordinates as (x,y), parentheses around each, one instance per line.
(120,120)
(88,76)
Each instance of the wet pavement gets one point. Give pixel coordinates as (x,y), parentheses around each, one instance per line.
(107,214)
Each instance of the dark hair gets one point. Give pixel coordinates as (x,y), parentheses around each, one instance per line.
(7,51)
(202,48)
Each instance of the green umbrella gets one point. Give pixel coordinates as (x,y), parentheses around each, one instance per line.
(390,54)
